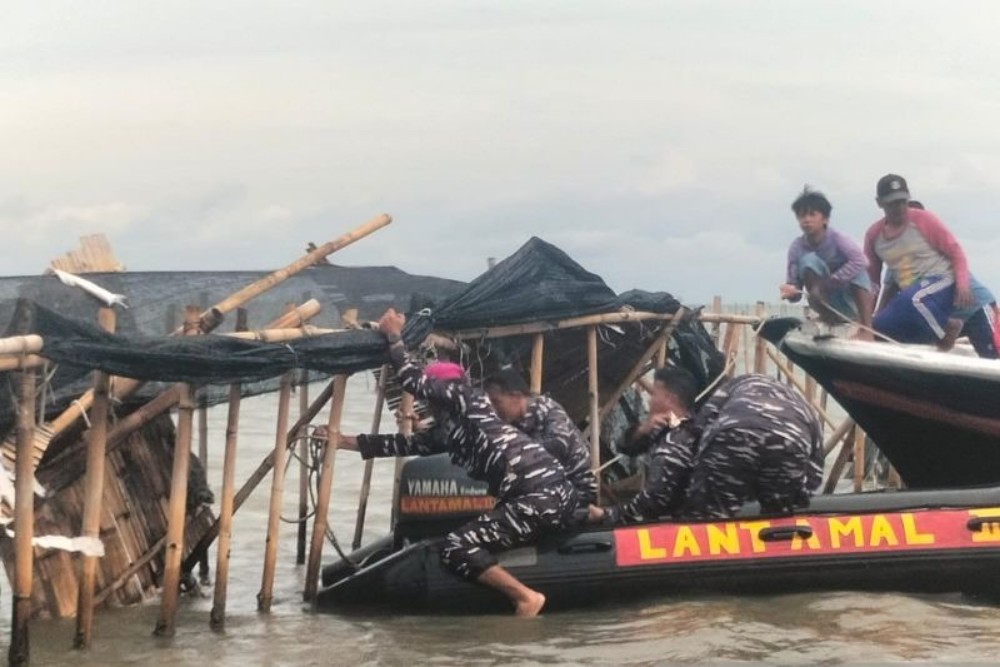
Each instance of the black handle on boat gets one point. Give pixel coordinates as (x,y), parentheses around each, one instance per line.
(784,533)
(976,524)
(589,547)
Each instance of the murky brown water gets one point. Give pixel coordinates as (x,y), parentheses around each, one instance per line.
(827,628)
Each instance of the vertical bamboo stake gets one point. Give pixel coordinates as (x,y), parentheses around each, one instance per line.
(729,344)
(595,406)
(760,357)
(217,617)
(716,326)
(859,459)
(166,624)
(537,359)
(302,447)
(24,521)
(366,480)
(265,595)
(203,432)
(94,492)
(406,429)
(325,483)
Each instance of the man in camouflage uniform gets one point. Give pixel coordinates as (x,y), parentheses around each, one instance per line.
(759,440)
(546,422)
(668,437)
(533,495)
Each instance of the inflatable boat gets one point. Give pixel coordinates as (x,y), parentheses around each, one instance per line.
(910,541)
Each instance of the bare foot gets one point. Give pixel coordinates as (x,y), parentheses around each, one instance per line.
(863,334)
(531,606)
(951,331)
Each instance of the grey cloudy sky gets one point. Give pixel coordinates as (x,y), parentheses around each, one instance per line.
(659,143)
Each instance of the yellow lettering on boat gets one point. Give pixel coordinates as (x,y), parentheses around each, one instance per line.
(882,532)
(812,541)
(990,530)
(840,529)
(754,528)
(646,549)
(910,533)
(686,541)
(719,541)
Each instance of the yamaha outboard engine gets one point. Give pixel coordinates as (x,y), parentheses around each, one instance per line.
(436,497)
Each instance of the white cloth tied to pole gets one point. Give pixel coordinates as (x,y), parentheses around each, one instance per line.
(106,297)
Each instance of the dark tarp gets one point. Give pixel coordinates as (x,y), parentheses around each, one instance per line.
(538,282)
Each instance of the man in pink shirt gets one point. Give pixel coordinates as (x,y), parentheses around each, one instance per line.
(927,277)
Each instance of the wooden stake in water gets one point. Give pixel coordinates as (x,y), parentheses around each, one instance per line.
(93,493)
(24,522)
(302,448)
(759,357)
(277,491)
(325,484)
(166,624)
(366,479)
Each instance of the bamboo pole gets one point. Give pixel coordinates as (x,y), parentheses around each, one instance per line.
(257,476)
(325,484)
(782,366)
(537,362)
(838,466)
(638,369)
(729,346)
(94,493)
(595,406)
(217,617)
(406,429)
(20,345)
(366,479)
(203,432)
(588,320)
(302,447)
(759,359)
(839,434)
(716,309)
(859,459)
(266,594)
(24,523)
(165,625)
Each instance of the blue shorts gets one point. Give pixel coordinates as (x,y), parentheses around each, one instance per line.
(919,313)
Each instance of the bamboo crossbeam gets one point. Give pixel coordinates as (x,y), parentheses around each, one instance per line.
(24,522)
(366,478)
(94,492)
(838,465)
(28,344)
(839,434)
(166,623)
(325,487)
(589,320)
(265,596)
(257,476)
(217,617)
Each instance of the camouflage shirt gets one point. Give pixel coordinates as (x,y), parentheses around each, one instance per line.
(472,434)
(546,421)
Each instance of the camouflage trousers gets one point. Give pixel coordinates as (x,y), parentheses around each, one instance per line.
(469,551)
(740,465)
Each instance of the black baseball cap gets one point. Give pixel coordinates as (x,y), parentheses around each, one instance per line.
(891,188)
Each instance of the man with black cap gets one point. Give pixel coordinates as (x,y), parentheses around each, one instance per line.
(928,276)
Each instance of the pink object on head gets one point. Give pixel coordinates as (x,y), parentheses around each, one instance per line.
(444,370)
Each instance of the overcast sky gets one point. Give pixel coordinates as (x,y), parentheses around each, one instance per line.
(659,143)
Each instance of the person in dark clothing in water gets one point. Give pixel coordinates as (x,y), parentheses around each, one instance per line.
(532,492)
(546,422)
(670,440)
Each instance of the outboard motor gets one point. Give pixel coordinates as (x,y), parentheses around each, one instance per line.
(435,497)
